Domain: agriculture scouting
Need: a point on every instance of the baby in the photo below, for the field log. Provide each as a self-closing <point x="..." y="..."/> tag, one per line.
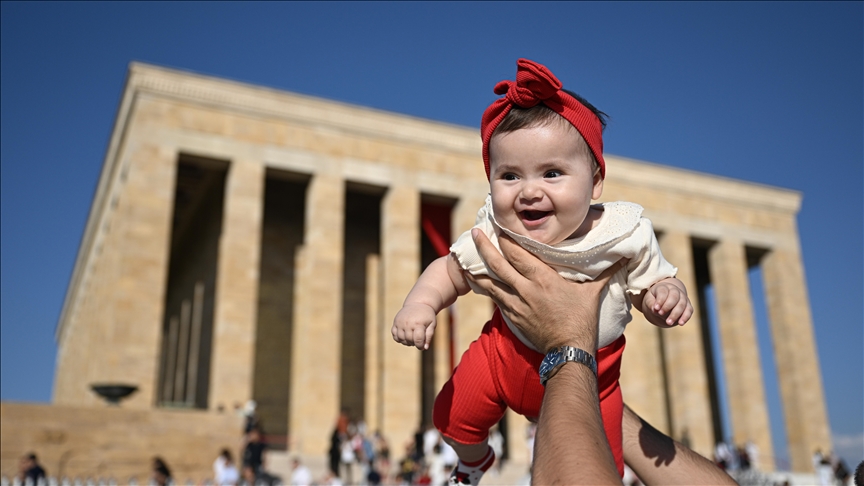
<point x="543" y="152"/>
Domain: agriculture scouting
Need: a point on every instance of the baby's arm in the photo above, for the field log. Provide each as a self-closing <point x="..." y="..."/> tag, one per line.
<point x="437" y="288"/>
<point x="665" y="304"/>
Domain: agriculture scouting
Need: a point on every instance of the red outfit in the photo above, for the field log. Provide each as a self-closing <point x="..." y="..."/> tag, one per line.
<point x="499" y="371"/>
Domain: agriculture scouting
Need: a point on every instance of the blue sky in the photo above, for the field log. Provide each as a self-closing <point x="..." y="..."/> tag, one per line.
<point x="765" y="92"/>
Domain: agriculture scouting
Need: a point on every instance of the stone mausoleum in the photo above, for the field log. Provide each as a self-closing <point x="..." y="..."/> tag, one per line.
<point x="249" y="243"/>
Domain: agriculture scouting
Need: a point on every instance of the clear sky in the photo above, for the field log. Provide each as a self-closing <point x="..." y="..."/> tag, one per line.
<point x="764" y="92"/>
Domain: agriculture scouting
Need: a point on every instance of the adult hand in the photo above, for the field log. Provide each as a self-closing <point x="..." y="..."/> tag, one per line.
<point x="549" y="310"/>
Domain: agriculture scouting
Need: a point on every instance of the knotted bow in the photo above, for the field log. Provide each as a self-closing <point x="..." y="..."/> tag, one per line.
<point x="536" y="84"/>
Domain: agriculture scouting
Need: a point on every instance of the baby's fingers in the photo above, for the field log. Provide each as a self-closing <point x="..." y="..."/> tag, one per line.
<point x="403" y="333"/>
<point x="430" y="331"/>
<point x="397" y="334"/>
<point x="647" y="301"/>
<point x="687" y="314"/>
<point x="674" y="305"/>
<point x="418" y="333"/>
<point x="677" y="311"/>
<point x="660" y="295"/>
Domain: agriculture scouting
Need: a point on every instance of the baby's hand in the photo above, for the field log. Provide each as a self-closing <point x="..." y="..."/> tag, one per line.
<point x="667" y="299"/>
<point x="414" y="325"/>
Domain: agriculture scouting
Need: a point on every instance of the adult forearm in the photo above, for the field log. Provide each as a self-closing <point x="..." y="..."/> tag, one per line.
<point x="571" y="445"/>
<point x="657" y="459"/>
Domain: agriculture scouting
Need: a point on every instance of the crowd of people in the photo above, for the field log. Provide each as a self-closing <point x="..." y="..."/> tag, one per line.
<point x="360" y="458"/>
<point x="357" y="456"/>
<point x="729" y="457"/>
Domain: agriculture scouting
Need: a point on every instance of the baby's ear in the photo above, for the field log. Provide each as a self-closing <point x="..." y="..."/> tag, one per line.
<point x="598" y="185"/>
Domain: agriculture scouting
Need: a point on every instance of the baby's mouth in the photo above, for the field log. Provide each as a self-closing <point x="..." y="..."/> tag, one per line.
<point x="533" y="215"/>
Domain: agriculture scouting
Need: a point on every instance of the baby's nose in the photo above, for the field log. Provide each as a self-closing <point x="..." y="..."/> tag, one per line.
<point x="531" y="190"/>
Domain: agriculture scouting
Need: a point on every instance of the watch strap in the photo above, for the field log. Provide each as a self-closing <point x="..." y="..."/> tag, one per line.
<point x="568" y="354"/>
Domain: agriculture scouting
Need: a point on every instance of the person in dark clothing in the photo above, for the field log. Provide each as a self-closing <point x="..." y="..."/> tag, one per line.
<point x="374" y="477"/>
<point x="335" y="452"/>
<point x="253" y="454"/>
<point x="161" y="473"/>
<point x="30" y="468"/>
<point x="841" y="472"/>
<point x="418" y="452"/>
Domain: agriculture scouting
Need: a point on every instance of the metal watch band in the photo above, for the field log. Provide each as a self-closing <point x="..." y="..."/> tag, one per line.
<point x="580" y="356"/>
<point x="556" y="357"/>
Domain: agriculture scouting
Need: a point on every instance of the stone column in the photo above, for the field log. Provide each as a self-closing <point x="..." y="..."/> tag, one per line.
<point x="471" y="311"/>
<point x="375" y="340"/>
<point x="686" y="372"/>
<point x="642" y="382"/>
<point x="442" y="350"/>
<point x="237" y="285"/>
<point x="797" y="359"/>
<point x="400" y="255"/>
<point x="316" y="354"/>
<point x="744" y="385"/>
<point x="130" y="320"/>
<point x="517" y="428"/>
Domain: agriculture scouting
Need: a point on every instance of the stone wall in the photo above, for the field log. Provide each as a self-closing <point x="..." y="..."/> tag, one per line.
<point x="115" y="442"/>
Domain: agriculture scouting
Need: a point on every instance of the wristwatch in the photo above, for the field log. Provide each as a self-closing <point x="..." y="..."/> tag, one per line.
<point x="558" y="356"/>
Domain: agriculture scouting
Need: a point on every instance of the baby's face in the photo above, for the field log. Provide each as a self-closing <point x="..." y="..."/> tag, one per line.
<point x="542" y="182"/>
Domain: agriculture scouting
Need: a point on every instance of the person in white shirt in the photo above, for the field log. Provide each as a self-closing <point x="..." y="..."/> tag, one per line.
<point x="300" y="474"/>
<point x="224" y="470"/>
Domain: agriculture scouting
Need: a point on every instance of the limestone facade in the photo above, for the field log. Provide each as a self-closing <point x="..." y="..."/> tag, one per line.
<point x="316" y="240"/>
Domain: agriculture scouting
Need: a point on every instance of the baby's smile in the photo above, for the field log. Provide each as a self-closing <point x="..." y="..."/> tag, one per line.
<point x="533" y="217"/>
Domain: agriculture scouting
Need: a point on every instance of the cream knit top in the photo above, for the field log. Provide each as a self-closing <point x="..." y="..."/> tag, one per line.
<point x="621" y="232"/>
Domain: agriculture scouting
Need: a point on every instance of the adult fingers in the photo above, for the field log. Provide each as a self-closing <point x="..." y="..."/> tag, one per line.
<point x="494" y="260"/>
<point x="501" y="293"/>
<point x="521" y="259"/>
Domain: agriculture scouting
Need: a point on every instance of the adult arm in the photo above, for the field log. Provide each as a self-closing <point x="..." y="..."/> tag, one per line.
<point x="571" y="445"/>
<point x="657" y="459"/>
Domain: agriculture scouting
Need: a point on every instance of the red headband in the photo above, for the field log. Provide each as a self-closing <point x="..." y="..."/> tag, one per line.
<point x="536" y="84"/>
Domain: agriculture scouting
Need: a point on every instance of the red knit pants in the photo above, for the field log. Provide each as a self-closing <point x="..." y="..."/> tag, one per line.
<point x="499" y="371"/>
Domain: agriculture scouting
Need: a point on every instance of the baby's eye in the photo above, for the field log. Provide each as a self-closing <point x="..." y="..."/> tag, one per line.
<point x="509" y="177"/>
<point x="553" y="173"/>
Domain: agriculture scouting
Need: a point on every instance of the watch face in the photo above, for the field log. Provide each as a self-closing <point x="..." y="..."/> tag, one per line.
<point x="549" y="362"/>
